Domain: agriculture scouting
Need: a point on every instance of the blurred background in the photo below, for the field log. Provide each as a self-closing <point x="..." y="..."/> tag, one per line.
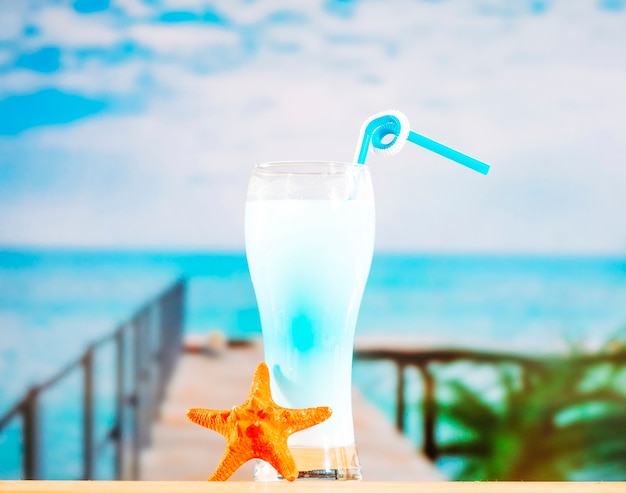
<point x="128" y="129"/>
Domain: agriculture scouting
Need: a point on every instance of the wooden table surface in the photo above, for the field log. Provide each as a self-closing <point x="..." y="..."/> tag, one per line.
<point x="307" y="486"/>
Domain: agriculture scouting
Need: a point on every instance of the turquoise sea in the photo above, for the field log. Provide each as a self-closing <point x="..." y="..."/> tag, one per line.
<point x="53" y="303"/>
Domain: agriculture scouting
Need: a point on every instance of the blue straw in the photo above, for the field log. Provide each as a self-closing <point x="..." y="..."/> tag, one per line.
<point x="374" y="133"/>
<point x="395" y="123"/>
<point x="448" y="152"/>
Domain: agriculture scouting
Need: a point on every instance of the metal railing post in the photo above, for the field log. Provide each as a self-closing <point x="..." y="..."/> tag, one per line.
<point x="88" y="407"/>
<point x="162" y="352"/>
<point x="146" y="414"/>
<point x="400" y="403"/>
<point x="154" y="366"/>
<point x="429" y="410"/>
<point x="30" y="455"/>
<point x="119" y="403"/>
<point x="136" y="398"/>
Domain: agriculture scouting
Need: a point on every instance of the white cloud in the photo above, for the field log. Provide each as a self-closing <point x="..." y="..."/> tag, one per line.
<point x="65" y="27"/>
<point x="182" y="40"/>
<point x="192" y="5"/>
<point x="133" y="8"/>
<point x="22" y="81"/>
<point x="539" y="97"/>
<point x="147" y="211"/>
<point x="99" y="78"/>
<point x="245" y="12"/>
<point x="5" y="56"/>
<point x="11" y="22"/>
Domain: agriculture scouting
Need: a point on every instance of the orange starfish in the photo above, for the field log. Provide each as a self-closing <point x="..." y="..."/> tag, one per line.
<point x="258" y="429"/>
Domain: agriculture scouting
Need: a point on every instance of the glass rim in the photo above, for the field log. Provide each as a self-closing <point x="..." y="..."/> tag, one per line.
<point x="304" y="166"/>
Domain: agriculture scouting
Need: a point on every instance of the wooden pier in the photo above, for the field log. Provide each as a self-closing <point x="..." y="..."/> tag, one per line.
<point x="180" y="450"/>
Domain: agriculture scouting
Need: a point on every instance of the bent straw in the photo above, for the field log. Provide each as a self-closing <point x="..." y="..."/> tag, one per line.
<point x="448" y="152"/>
<point x="395" y="123"/>
<point x="376" y="128"/>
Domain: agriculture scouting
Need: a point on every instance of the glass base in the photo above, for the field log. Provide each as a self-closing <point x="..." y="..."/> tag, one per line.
<point x="334" y="463"/>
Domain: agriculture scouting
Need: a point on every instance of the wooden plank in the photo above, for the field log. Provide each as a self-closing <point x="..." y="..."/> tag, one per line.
<point x="305" y="486"/>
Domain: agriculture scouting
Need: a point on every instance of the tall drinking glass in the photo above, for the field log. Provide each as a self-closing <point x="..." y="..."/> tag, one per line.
<point x="309" y="240"/>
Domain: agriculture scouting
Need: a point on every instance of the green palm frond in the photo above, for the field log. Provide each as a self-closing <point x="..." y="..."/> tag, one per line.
<point x="467" y="407"/>
<point x="590" y="433"/>
<point x="562" y="417"/>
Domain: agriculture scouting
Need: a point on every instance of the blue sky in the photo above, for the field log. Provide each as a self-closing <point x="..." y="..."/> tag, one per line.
<point x="134" y="124"/>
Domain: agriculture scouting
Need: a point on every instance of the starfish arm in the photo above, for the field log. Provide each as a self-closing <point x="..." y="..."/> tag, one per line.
<point x="305" y="418"/>
<point x="211" y="419"/>
<point x="236" y="454"/>
<point x="279" y="456"/>
<point x="260" y="390"/>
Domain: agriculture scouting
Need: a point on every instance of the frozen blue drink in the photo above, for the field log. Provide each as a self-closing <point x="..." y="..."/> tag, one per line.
<point x="309" y="243"/>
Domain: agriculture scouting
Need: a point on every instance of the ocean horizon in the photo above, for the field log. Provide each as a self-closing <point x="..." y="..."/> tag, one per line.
<point x="53" y="303"/>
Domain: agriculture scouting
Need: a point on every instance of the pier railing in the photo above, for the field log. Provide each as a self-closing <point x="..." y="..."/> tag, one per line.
<point x="146" y="349"/>
<point x="424" y="360"/>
